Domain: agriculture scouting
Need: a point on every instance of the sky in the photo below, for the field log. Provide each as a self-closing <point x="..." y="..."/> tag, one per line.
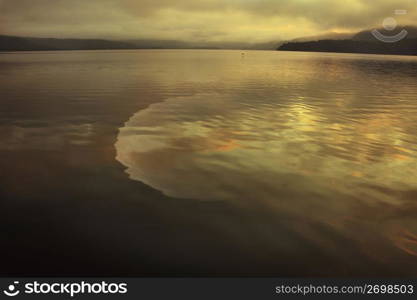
<point x="197" y="20"/>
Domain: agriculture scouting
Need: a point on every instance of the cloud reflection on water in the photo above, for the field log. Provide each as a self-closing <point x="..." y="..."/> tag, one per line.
<point x="353" y="175"/>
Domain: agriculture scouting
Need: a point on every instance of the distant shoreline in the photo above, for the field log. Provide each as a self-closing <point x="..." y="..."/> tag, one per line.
<point x="202" y="49"/>
<point x="127" y="49"/>
<point x="362" y="43"/>
<point x="15" y="43"/>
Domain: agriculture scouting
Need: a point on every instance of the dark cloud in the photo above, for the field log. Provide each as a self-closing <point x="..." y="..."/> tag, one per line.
<point x="195" y="19"/>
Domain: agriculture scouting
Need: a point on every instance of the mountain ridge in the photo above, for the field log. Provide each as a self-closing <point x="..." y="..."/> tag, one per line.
<point x="362" y="42"/>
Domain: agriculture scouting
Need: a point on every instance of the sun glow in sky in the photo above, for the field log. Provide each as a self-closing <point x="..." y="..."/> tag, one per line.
<point x="196" y="20"/>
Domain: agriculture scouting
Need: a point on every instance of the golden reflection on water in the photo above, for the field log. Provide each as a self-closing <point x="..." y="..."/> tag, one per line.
<point x="312" y="147"/>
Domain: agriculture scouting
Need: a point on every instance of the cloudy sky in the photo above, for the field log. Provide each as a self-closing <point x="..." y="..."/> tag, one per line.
<point x="196" y="20"/>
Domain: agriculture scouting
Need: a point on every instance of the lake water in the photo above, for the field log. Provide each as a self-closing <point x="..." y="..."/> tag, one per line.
<point x="183" y="162"/>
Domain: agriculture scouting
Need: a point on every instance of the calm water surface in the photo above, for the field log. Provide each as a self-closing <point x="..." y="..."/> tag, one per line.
<point x="208" y="163"/>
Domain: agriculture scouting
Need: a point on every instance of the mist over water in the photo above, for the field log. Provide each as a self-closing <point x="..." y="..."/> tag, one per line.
<point x="293" y="163"/>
